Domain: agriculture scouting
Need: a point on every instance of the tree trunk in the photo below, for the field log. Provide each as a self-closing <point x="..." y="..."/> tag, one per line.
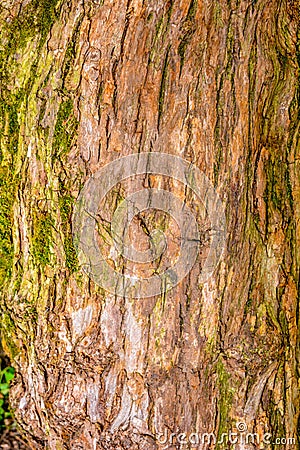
<point x="84" y="83"/>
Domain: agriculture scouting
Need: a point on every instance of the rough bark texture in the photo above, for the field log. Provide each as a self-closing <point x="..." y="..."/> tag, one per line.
<point x="83" y="83"/>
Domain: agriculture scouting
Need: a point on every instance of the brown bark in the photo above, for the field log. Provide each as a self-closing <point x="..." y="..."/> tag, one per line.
<point x="217" y="83"/>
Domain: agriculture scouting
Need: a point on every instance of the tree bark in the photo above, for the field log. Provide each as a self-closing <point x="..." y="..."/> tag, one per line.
<point x="217" y="83"/>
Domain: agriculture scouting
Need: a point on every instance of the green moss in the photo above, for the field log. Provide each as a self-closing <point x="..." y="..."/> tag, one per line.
<point x="163" y="86"/>
<point x="70" y="54"/>
<point x="21" y="43"/>
<point x="7" y="198"/>
<point x="271" y="132"/>
<point x="150" y="17"/>
<point x="8" y="333"/>
<point x="278" y="192"/>
<point x="284" y="328"/>
<point x="65" y="129"/>
<point x="46" y="15"/>
<point x="298" y="51"/>
<point x="157" y="37"/>
<point x="218" y="158"/>
<point x="36" y="18"/>
<point x="278" y="428"/>
<point x="189" y="28"/>
<point x="192" y="10"/>
<point x="160" y="34"/>
<point x="9" y="135"/>
<point x="225" y="400"/>
<point x="32" y="22"/>
<point x="229" y="47"/>
<point x="66" y="202"/>
<point x="217" y="15"/>
<point x="42" y="237"/>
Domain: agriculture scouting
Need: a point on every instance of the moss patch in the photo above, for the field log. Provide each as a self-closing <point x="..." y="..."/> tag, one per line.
<point x="7" y="197"/>
<point x="8" y="333"/>
<point x="65" y="128"/>
<point x="66" y="202"/>
<point x="224" y="401"/>
<point x="42" y="237"/>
